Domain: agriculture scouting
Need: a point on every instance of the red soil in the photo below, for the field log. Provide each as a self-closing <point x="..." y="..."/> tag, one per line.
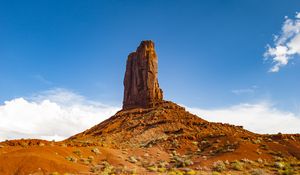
<point x="139" y="138"/>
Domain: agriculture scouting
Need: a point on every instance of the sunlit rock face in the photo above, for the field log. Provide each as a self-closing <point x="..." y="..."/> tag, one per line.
<point x="141" y="88"/>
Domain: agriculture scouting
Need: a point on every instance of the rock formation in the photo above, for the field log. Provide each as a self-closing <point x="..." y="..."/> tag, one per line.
<point x="141" y="88"/>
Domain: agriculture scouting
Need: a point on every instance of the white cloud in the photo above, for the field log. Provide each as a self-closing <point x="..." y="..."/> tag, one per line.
<point x="250" y="90"/>
<point x="286" y="45"/>
<point x="260" y="118"/>
<point x="298" y="15"/>
<point x="55" y="114"/>
<point x="59" y="113"/>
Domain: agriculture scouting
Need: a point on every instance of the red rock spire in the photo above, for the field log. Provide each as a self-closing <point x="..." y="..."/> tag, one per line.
<point x="141" y="88"/>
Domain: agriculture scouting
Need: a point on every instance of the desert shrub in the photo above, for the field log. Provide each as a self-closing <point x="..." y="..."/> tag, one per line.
<point x="219" y="166"/>
<point x="236" y="165"/>
<point x="91" y="158"/>
<point x="175" y="172"/>
<point x="195" y="143"/>
<point x="162" y="170"/>
<point x="77" y="152"/>
<point x="257" y="172"/>
<point x="260" y="161"/>
<point x="191" y="172"/>
<point x="163" y="164"/>
<point x="188" y="162"/>
<point x="180" y="161"/>
<point x="71" y="159"/>
<point x="108" y="169"/>
<point x="94" y="169"/>
<point x="95" y="150"/>
<point x="54" y="173"/>
<point x="152" y="168"/>
<point x="215" y="173"/>
<point x="286" y="170"/>
<point x="279" y="165"/>
<point x="132" y="159"/>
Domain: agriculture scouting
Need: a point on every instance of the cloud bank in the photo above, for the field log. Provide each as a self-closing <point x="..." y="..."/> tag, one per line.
<point x="58" y="114"/>
<point x="261" y="118"/>
<point x="55" y="114"/>
<point x="286" y="45"/>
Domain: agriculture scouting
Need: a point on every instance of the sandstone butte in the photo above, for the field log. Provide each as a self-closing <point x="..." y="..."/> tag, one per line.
<point x="141" y="88"/>
<point x="154" y="136"/>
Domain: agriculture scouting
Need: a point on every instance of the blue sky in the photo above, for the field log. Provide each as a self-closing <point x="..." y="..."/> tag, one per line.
<point x="206" y="49"/>
<point x="211" y="53"/>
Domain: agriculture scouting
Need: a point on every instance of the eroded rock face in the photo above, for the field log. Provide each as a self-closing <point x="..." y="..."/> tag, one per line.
<point x="141" y="88"/>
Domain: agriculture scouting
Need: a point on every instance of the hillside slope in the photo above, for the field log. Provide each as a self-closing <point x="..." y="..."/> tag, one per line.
<point x="163" y="139"/>
<point x="174" y="131"/>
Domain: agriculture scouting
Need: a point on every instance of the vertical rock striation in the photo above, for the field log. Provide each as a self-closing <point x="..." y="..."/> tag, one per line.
<point x="141" y="88"/>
